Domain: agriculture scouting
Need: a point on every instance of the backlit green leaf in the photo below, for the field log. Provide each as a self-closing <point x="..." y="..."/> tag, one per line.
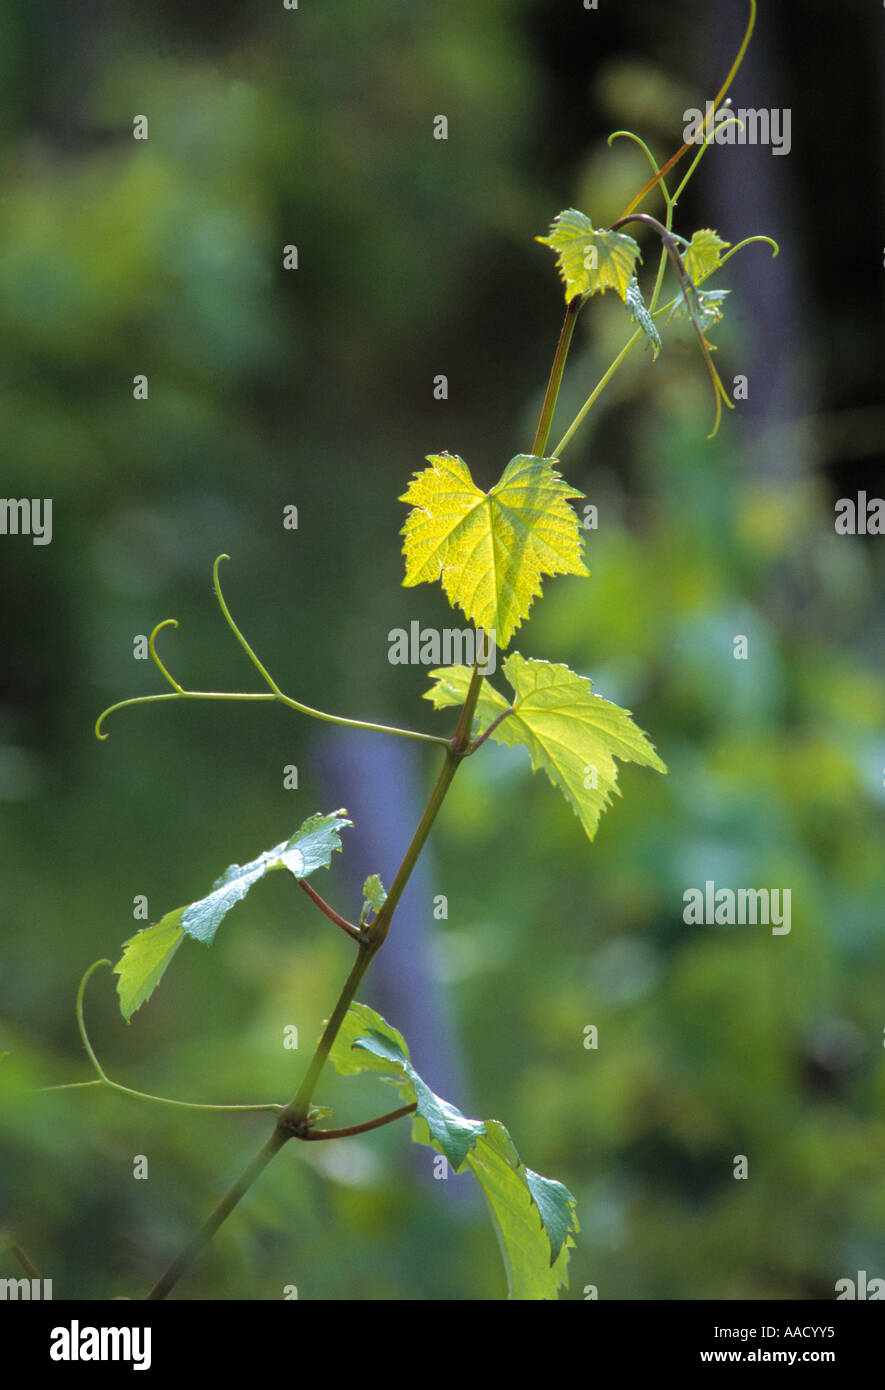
<point x="570" y="732"/>
<point x="703" y="254"/>
<point x="144" y="961"/>
<point x="374" y="896"/>
<point x="590" y="261"/>
<point x="489" y="550"/>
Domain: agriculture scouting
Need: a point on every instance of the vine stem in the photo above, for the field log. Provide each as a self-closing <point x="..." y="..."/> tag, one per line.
<point x="269" y="1150"/>
<point x="295" y="1113"/>
<point x="294" y="1119"/>
<point x="597" y="391"/>
<point x="548" y="409"/>
<point x="182" y="1262"/>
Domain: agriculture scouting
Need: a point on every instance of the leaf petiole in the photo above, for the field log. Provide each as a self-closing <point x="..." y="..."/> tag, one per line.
<point x="478" y="742"/>
<point x="363" y="1128"/>
<point x="328" y="911"/>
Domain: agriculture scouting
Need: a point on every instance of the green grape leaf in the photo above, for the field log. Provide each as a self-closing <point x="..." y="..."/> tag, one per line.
<point x="144" y="961"/>
<point x="449" y="1131"/>
<point x="309" y="848"/>
<point x="639" y="314"/>
<point x="554" y="1202"/>
<point x="707" y="306"/>
<point x="374" y="896"/>
<point x="534" y="1217"/>
<point x="590" y="261"/>
<point x="489" y="550"/>
<point x="360" y="1022"/>
<point x="571" y="733"/>
<point x="147" y="954"/>
<point x="450" y="688"/>
<point x="703" y="254"/>
<point x="527" y="1244"/>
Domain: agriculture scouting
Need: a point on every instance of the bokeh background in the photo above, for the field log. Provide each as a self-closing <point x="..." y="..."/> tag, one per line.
<point x="313" y="387"/>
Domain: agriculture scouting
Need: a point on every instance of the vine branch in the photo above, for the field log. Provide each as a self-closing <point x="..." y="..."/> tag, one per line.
<point x="551" y="395"/>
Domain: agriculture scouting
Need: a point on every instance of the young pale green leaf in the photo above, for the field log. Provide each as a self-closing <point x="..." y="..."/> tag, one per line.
<point x="707" y="306"/>
<point x="309" y="848"/>
<point x="450" y="687"/>
<point x="703" y="254"/>
<point x="590" y="261"/>
<point x="144" y="961"/>
<point x="534" y="1217"/>
<point x="571" y="733"/>
<point x="639" y="314"/>
<point x="489" y="550"/>
<point x="374" y="896"/>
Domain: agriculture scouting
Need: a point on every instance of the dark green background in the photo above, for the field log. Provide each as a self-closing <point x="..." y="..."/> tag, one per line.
<point x="314" y="388"/>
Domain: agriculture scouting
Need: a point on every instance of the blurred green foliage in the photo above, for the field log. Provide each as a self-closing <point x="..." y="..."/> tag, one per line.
<point x="267" y="387"/>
